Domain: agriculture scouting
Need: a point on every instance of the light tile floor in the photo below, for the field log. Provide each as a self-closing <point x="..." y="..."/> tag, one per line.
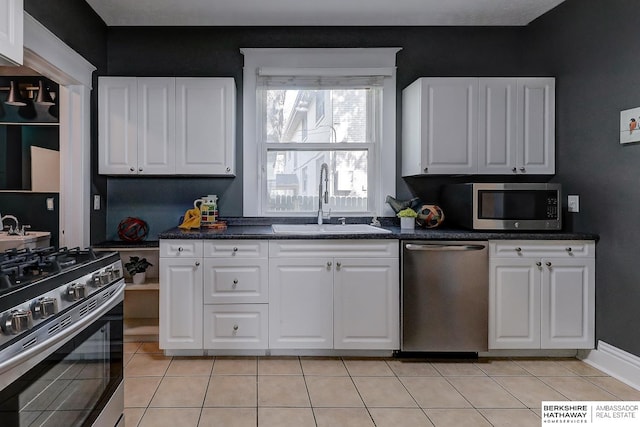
<point x="334" y="392"/>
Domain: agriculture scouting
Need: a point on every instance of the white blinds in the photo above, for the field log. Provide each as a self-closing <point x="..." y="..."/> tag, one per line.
<point x="319" y="78"/>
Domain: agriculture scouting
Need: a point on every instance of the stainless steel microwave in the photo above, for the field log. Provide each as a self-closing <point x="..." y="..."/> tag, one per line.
<point x="504" y="206"/>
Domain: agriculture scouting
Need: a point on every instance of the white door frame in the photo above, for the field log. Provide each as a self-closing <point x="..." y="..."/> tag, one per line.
<point x="51" y="57"/>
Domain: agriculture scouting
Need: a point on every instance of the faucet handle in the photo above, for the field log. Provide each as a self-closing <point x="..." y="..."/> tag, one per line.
<point x="342" y="220"/>
<point x="375" y="222"/>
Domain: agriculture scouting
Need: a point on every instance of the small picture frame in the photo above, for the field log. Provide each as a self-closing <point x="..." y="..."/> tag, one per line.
<point x="630" y="125"/>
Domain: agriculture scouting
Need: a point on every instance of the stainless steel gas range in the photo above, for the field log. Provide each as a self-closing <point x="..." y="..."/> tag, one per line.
<point x="61" y="343"/>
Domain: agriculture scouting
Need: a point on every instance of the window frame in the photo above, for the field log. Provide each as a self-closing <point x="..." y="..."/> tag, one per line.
<point x="381" y="174"/>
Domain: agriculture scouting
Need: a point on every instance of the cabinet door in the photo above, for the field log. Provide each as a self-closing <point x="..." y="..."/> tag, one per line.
<point x="117" y="128"/>
<point x="11" y="32"/>
<point x="156" y="125"/>
<point x="514" y="303"/>
<point x="180" y="303"/>
<point x="366" y="304"/>
<point x="205" y="126"/>
<point x="568" y="303"/>
<point x="536" y="126"/>
<point x="497" y="111"/>
<point x="301" y="303"/>
<point x="449" y="125"/>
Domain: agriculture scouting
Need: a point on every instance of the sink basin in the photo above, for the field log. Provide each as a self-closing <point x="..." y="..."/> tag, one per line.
<point x="327" y="229"/>
<point x="31" y="240"/>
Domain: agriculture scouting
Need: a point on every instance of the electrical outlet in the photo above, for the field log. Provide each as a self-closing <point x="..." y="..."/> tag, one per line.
<point x="96" y="202"/>
<point x="49" y="203"/>
<point x="573" y="202"/>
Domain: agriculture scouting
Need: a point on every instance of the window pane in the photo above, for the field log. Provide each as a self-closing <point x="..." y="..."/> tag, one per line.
<point x="330" y="115"/>
<point x="293" y="180"/>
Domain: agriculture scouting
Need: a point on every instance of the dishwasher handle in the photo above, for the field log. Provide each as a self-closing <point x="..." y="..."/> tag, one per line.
<point x="443" y="247"/>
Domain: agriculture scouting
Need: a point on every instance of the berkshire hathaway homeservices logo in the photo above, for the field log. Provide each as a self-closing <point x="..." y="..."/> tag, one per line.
<point x="591" y="413"/>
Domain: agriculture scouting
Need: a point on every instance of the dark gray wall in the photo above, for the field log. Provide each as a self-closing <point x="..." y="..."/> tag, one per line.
<point x="590" y="45"/>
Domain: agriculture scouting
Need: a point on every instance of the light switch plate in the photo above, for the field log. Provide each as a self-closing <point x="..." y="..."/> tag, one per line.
<point x="49" y="203"/>
<point x="573" y="202"/>
<point x="96" y="202"/>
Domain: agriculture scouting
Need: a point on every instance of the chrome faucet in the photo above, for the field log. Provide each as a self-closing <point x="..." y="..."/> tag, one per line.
<point x="11" y="231"/>
<point x="323" y="168"/>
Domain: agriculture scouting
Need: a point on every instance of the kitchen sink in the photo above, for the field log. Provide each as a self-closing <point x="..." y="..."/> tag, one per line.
<point x="30" y="240"/>
<point x="327" y="229"/>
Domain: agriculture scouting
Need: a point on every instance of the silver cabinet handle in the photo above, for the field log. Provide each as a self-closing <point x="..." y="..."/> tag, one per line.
<point x="539" y="264"/>
<point x="548" y="263"/>
<point x="518" y="249"/>
<point x="426" y="170"/>
<point x="338" y="265"/>
<point x="522" y="169"/>
<point x="514" y="170"/>
<point x="235" y="283"/>
<point x="197" y="263"/>
<point x="568" y="249"/>
<point x="438" y="247"/>
<point x="140" y="169"/>
<point x="329" y="264"/>
<point x="132" y="169"/>
<point x="228" y="169"/>
<point x="235" y="327"/>
<point x="180" y="249"/>
<point x="235" y="251"/>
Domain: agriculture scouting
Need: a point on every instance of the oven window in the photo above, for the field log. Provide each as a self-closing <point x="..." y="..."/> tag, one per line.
<point x="71" y="386"/>
<point x="514" y="204"/>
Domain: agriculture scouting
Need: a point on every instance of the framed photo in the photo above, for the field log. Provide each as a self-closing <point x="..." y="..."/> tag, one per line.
<point x="630" y="125"/>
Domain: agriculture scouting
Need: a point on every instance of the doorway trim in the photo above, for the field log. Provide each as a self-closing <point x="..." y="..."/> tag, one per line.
<point x="45" y="53"/>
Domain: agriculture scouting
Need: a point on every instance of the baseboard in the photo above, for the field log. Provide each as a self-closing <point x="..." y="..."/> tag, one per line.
<point x="615" y="362"/>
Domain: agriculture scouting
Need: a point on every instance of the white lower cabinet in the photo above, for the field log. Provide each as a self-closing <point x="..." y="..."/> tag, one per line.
<point x="301" y="303"/>
<point x="180" y="303"/>
<point x="542" y="294"/>
<point x="366" y="303"/>
<point x="334" y="295"/>
<point x="279" y="294"/>
<point x="235" y="326"/>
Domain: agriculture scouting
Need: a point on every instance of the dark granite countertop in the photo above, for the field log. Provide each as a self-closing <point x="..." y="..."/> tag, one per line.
<point x="261" y="229"/>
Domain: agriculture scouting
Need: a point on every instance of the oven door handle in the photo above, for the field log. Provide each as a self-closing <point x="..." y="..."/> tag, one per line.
<point x="60" y="338"/>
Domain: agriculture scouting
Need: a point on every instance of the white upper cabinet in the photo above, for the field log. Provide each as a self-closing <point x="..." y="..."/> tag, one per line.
<point x="11" y="32"/>
<point x="166" y="126"/>
<point x="439" y="126"/>
<point x="479" y="126"/>
<point x="117" y="126"/>
<point x="205" y="125"/>
<point x="156" y="126"/>
<point x="536" y="126"/>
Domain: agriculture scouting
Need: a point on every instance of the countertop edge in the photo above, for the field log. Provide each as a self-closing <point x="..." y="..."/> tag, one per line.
<point x="266" y="233"/>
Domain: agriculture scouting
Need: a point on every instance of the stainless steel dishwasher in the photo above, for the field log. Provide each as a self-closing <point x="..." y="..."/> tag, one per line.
<point x="445" y="292"/>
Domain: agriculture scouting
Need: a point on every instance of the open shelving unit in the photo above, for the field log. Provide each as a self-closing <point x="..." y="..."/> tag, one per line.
<point x="141" y="303"/>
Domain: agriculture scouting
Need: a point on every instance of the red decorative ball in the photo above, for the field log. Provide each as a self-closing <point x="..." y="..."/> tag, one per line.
<point x="133" y="229"/>
<point x="430" y="216"/>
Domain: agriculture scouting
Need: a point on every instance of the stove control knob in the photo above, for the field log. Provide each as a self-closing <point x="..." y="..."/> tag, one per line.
<point x="76" y="291"/>
<point x="17" y="321"/>
<point x="44" y="307"/>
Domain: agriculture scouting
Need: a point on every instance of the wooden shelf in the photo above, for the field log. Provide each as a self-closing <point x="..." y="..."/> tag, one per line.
<point x="149" y="286"/>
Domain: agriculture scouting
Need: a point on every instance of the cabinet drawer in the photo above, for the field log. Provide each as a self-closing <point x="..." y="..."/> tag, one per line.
<point x="235" y="326"/>
<point x="333" y="248"/>
<point x="236" y="281"/>
<point x="180" y="248"/>
<point x="543" y="248"/>
<point x="236" y="248"/>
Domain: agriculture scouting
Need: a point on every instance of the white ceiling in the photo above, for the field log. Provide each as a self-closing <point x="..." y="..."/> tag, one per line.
<point x="319" y="12"/>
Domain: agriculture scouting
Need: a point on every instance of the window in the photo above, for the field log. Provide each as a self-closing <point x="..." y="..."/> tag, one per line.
<point x="351" y="130"/>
